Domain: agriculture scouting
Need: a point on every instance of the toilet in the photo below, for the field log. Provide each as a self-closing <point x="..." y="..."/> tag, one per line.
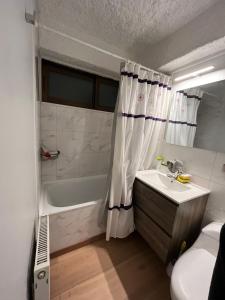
<point x="192" y="273"/>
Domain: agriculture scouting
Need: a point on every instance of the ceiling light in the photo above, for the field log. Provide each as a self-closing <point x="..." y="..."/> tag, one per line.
<point x="194" y="74"/>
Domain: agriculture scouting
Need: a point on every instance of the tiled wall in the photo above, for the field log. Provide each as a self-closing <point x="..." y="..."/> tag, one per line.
<point x="207" y="170"/>
<point x="75" y="226"/>
<point x="83" y="137"/>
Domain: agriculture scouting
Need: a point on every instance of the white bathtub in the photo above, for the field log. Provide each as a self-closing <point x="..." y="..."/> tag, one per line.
<point x="75" y="209"/>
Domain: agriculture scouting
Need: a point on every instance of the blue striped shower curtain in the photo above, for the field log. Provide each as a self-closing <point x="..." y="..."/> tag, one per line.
<point x="141" y="115"/>
<point x="182" y="123"/>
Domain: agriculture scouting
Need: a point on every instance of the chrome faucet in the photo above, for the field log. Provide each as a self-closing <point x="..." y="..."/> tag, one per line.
<point x="172" y="176"/>
<point x="176" y="168"/>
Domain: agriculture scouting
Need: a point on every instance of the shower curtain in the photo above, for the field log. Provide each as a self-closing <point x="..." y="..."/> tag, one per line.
<point x="182" y="123"/>
<point x="140" y="119"/>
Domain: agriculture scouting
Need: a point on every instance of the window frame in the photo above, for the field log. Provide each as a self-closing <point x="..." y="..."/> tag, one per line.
<point x="99" y="80"/>
<point x="49" y="66"/>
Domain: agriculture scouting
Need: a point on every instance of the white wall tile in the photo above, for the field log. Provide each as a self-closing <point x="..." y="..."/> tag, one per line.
<point x="75" y="226"/>
<point x="105" y="157"/>
<point x="206" y="167"/>
<point x="48" y="177"/>
<point x="94" y="163"/>
<point x="215" y="210"/>
<point x="68" y="166"/>
<point x="199" y="162"/>
<point x="83" y="137"/>
<point x="48" y="168"/>
<point x="65" y="118"/>
<point x="48" y="139"/>
<point x="218" y="173"/>
<point x="71" y="118"/>
<point x="196" y="161"/>
<point x="48" y="116"/>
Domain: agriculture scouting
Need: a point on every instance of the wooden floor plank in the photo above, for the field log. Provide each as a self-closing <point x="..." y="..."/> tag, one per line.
<point x="119" y="269"/>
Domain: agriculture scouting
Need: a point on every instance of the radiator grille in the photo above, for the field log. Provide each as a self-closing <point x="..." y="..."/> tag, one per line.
<point x="42" y="261"/>
<point x="42" y="251"/>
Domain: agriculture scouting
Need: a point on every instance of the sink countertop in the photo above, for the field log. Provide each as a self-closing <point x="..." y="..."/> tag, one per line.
<point x="175" y="191"/>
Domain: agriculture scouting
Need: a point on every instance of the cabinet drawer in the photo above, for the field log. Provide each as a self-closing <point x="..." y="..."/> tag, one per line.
<point x="157" y="239"/>
<point x="159" y="208"/>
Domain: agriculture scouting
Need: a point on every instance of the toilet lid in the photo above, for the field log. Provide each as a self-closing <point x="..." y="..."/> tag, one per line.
<point x="192" y="275"/>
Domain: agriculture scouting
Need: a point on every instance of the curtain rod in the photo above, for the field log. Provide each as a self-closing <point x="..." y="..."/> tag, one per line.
<point x="142" y="67"/>
<point x="97" y="48"/>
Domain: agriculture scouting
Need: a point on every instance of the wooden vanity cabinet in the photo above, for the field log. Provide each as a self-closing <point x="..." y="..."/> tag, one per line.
<point x="165" y="224"/>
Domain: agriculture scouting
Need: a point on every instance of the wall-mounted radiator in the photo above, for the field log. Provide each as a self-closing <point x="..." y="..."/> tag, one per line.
<point x="42" y="262"/>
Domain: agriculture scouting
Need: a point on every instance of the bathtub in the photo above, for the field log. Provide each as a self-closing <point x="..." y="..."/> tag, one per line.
<point x="75" y="209"/>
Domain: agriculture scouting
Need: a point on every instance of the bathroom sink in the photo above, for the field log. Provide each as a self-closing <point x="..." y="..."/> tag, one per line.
<point x="176" y="191"/>
<point x="166" y="182"/>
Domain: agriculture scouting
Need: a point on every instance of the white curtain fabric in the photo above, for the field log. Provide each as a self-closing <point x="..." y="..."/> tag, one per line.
<point x="182" y="123"/>
<point x="141" y="115"/>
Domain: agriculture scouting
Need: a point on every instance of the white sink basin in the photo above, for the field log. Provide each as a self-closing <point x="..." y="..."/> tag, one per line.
<point x="167" y="183"/>
<point x="176" y="191"/>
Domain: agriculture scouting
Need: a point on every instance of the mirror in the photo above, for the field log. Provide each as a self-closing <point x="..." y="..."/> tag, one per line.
<point x="197" y="117"/>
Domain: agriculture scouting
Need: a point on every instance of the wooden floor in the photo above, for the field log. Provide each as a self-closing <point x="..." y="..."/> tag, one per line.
<point x="119" y="269"/>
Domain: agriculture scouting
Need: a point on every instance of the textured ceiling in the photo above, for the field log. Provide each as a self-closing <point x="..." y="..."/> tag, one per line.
<point x="127" y="25"/>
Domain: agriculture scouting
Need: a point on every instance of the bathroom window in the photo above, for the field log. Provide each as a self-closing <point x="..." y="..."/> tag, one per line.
<point x="106" y="93"/>
<point x="68" y="86"/>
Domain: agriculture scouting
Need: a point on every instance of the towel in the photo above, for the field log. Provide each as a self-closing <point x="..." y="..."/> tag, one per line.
<point x="217" y="288"/>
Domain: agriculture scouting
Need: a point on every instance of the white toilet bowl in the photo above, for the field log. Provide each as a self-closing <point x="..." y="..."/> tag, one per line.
<point x="192" y="273"/>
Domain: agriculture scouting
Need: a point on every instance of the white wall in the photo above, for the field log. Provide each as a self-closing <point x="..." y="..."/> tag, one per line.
<point x="18" y="161"/>
<point x="206" y="167"/>
<point x="211" y="120"/>
<point x="70" y="50"/>
<point x="83" y="137"/>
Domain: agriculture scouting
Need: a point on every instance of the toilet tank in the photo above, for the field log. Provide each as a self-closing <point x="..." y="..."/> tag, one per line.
<point x="209" y="238"/>
<point x="213" y="230"/>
